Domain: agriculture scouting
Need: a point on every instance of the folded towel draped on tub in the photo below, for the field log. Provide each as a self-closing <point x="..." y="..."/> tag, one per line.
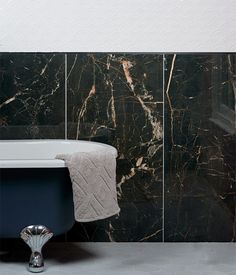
<point x="93" y="177"/>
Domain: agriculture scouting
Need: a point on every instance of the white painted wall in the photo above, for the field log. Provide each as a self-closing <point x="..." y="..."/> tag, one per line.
<point x="118" y="25"/>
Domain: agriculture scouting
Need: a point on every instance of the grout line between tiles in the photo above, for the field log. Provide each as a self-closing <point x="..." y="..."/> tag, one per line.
<point x="163" y="148"/>
<point x="65" y="107"/>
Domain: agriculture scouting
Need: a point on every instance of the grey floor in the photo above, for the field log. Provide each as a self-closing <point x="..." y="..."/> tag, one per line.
<point x="127" y="258"/>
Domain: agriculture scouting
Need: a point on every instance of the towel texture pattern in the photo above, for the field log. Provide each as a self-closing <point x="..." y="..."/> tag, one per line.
<point x="93" y="176"/>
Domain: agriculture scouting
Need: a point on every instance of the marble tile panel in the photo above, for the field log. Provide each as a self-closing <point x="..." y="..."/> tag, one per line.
<point x="32" y="95"/>
<point x="200" y="147"/>
<point x="118" y="99"/>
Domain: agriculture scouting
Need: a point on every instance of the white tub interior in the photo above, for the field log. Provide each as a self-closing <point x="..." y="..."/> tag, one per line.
<point x="42" y="153"/>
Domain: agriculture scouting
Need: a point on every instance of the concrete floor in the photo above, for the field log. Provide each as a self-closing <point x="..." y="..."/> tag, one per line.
<point x="127" y="258"/>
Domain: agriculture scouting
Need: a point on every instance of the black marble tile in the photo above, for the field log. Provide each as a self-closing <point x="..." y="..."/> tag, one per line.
<point x="31" y="95"/>
<point x="137" y="222"/>
<point x="200" y="147"/>
<point x="118" y="99"/>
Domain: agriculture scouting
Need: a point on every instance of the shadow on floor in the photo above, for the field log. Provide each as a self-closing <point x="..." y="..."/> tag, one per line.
<point x="16" y="251"/>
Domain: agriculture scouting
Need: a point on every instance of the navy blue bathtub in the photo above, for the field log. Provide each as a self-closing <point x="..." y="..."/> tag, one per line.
<point x="35" y="188"/>
<point x="35" y="196"/>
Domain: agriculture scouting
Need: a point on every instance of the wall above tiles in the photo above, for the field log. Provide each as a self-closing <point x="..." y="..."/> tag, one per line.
<point x="118" y="26"/>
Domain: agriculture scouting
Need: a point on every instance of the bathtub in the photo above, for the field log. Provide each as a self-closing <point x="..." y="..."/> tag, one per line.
<point x="35" y="188"/>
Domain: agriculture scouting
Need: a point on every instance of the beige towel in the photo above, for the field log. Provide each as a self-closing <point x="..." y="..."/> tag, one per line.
<point x="93" y="176"/>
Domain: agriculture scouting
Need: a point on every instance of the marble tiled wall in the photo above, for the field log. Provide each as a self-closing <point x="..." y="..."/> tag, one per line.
<point x="119" y="99"/>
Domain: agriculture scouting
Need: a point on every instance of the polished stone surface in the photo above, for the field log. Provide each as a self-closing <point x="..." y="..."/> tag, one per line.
<point x="128" y="259"/>
<point x="118" y="99"/>
<point x="112" y="98"/>
<point x="31" y="95"/>
<point x="200" y="147"/>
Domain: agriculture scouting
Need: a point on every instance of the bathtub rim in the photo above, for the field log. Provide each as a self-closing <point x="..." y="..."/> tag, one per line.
<point x="45" y="163"/>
